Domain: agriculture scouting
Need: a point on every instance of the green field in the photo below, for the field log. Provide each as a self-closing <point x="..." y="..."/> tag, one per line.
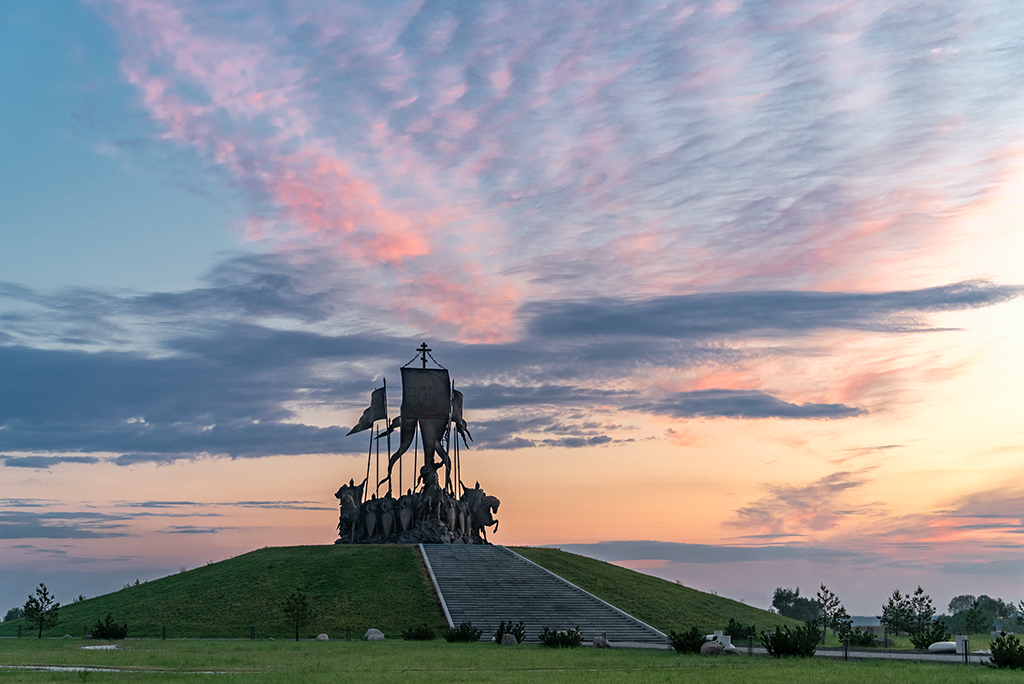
<point x="285" y="661"/>
<point x="357" y="587"/>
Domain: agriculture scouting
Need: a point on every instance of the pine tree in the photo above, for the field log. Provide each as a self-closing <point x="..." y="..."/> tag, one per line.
<point x="41" y="609"/>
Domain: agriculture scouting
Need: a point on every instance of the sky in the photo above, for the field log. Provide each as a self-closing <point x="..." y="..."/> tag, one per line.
<point x="733" y="290"/>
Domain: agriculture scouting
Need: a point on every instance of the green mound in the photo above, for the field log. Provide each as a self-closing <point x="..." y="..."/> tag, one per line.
<point x="349" y="587"/>
<point x="661" y="604"/>
<point x="361" y="586"/>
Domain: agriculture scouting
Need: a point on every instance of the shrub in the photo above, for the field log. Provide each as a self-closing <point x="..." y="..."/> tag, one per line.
<point x="463" y="633"/>
<point x="108" y="629"/>
<point x="422" y="633"/>
<point x="859" y="639"/>
<point x="738" y="630"/>
<point x="1007" y="653"/>
<point x="517" y="630"/>
<point x="801" y="641"/>
<point x="689" y="641"/>
<point x="569" y="638"/>
<point x="936" y="631"/>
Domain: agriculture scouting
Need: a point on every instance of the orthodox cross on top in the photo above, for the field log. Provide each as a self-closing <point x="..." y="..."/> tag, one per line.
<point x="423" y="351"/>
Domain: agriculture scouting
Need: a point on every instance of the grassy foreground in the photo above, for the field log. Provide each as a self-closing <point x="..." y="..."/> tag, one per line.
<point x="664" y="605"/>
<point x="349" y="587"/>
<point x="369" y="662"/>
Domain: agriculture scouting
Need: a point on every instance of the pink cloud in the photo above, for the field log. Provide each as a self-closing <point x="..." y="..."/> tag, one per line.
<point x="310" y="193"/>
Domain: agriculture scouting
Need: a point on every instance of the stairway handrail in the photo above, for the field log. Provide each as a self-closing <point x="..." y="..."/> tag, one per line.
<point x="437" y="587"/>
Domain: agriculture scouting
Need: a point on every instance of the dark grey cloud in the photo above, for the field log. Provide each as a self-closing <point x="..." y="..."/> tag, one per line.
<point x="713" y="403"/>
<point x="60" y="525"/>
<point x="722" y="314"/>
<point x="44" y="461"/>
<point x="619" y="551"/>
<point x="217" y="382"/>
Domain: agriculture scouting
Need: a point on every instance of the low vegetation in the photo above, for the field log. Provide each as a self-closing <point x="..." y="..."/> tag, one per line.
<point x="1007" y="653"/>
<point x="464" y="633"/>
<point x="108" y="629"/>
<point x="687" y="641"/>
<point x="518" y="630"/>
<point x="784" y="642"/>
<point x="422" y="632"/>
<point x="561" y="638"/>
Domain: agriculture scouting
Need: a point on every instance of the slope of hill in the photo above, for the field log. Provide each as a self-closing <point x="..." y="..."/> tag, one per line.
<point x="361" y="586"/>
<point x="660" y="603"/>
<point x="355" y="587"/>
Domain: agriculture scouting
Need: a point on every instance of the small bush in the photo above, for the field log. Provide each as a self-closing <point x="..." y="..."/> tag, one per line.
<point x="463" y="633"/>
<point x="1007" y="653"/>
<point x="517" y="630"/>
<point x="801" y="641"/>
<point x="689" y="641"/>
<point x="936" y="631"/>
<point x="108" y="629"/>
<point x="859" y="639"/>
<point x="738" y="630"/>
<point x="569" y="638"/>
<point x="422" y="633"/>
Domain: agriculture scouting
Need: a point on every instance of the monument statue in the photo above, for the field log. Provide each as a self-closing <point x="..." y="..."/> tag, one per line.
<point x="428" y="512"/>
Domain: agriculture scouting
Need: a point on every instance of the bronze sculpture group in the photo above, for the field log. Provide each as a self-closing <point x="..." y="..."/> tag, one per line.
<point x="429" y="512"/>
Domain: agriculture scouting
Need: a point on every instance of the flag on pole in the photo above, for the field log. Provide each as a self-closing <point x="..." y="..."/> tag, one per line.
<point x="376" y="411"/>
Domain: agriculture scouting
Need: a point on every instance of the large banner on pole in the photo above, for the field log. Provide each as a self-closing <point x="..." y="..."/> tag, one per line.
<point x="426" y="393"/>
<point x="426" y="401"/>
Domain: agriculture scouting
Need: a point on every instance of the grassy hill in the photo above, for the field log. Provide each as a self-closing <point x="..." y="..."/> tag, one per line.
<point x="661" y="604"/>
<point x="355" y="587"/>
<point x="359" y="587"/>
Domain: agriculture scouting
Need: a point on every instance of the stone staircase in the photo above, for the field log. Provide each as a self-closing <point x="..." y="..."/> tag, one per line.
<point x="488" y="584"/>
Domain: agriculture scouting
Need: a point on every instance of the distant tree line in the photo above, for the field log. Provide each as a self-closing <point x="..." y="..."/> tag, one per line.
<point x="911" y="613"/>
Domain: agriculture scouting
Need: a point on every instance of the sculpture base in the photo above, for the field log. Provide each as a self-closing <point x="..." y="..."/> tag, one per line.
<point x="429" y="516"/>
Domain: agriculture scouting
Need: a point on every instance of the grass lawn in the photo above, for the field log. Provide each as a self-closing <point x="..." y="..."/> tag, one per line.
<point x="397" y="661"/>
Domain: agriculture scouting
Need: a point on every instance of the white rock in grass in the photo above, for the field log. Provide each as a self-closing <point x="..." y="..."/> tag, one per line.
<point x="373" y="635"/>
<point x="943" y="647"/>
<point x="322" y="637"/>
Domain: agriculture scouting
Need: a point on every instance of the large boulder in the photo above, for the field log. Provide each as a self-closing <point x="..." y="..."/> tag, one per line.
<point x="373" y="635"/>
<point x="712" y="648"/>
<point x="602" y="642"/>
<point x="322" y="637"/>
<point x="943" y="647"/>
<point x="509" y="639"/>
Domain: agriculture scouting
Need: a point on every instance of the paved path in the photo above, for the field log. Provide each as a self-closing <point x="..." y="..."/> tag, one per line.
<point x="489" y="584"/>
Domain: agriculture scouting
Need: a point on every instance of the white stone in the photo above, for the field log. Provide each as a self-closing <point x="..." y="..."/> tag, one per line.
<point x="943" y="647"/>
<point x="322" y="637"/>
<point x="373" y="635"/>
<point x="509" y="639"/>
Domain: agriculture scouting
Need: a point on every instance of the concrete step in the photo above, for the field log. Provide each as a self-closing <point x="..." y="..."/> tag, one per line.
<point x="487" y="584"/>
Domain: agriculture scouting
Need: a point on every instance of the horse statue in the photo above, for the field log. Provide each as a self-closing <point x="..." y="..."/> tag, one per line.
<point x="481" y="508"/>
<point x="350" y="497"/>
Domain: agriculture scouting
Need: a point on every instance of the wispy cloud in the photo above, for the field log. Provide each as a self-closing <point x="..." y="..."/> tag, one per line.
<point x="812" y="507"/>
